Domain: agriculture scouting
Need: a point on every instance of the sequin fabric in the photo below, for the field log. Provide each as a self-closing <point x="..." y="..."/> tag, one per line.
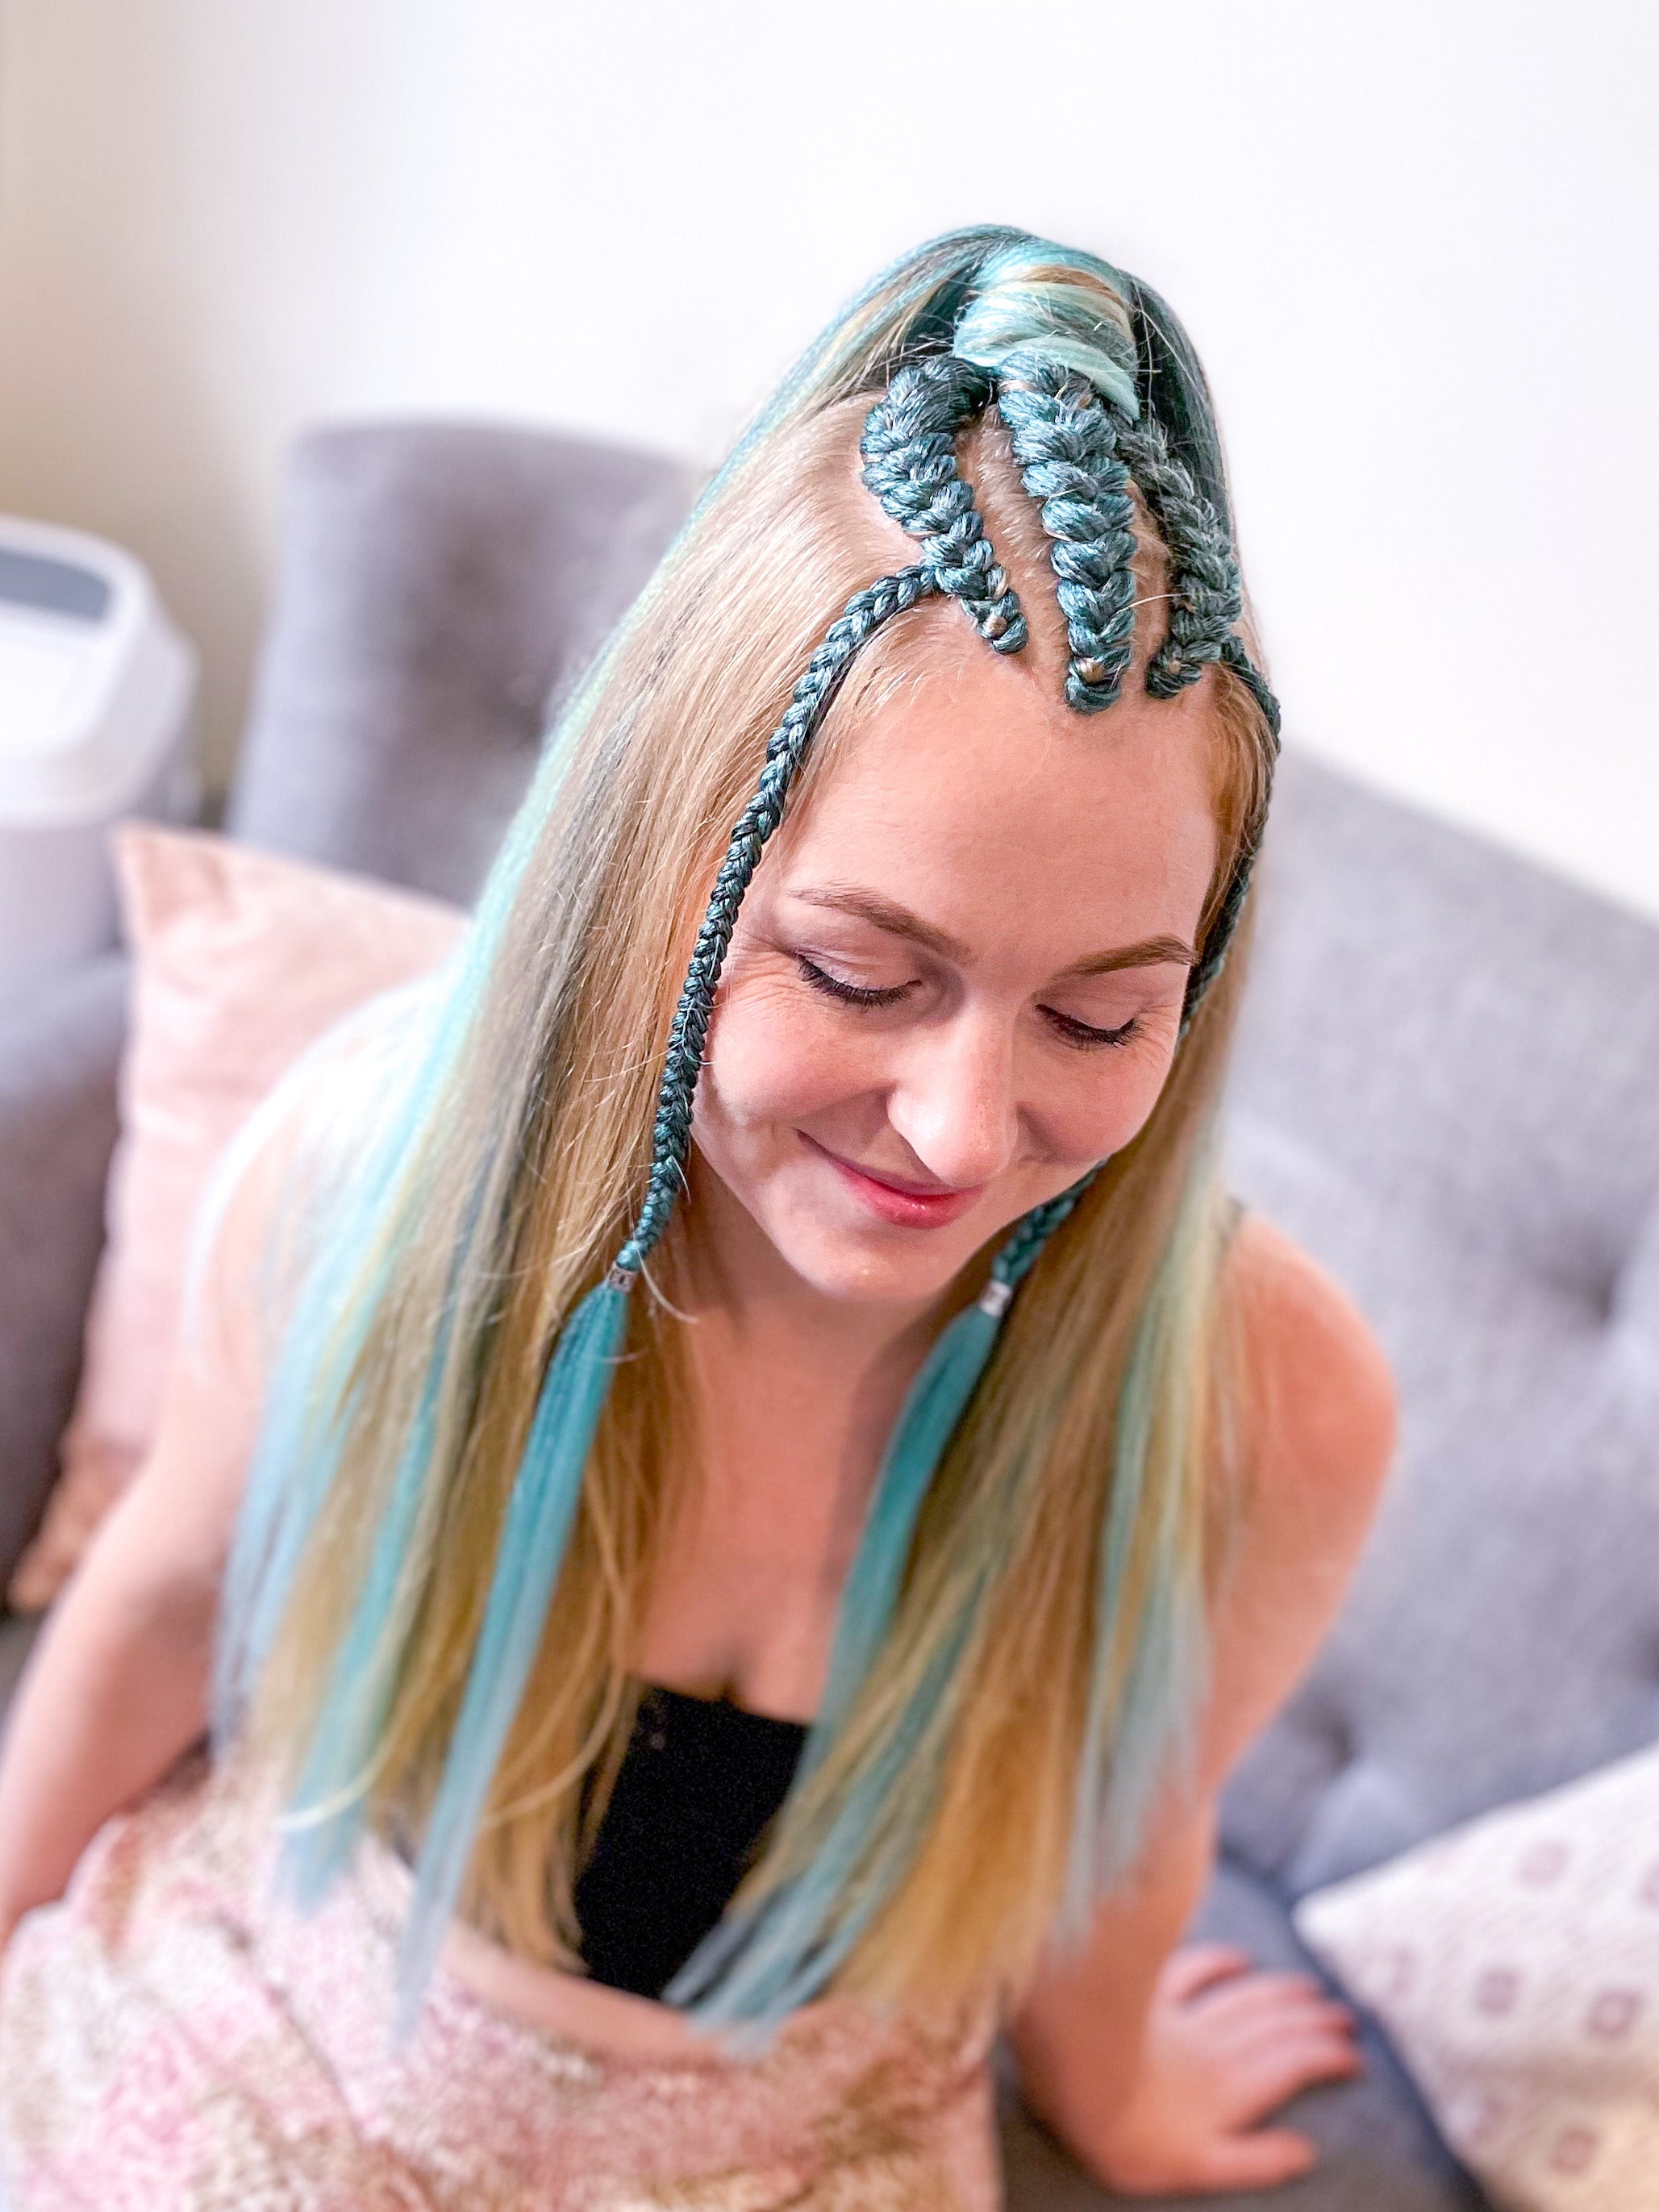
<point x="172" y="2037"/>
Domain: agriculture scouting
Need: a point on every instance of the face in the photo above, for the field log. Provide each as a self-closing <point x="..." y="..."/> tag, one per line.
<point x="956" y="980"/>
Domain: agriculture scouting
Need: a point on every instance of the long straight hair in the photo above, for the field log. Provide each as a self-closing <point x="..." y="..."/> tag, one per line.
<point x="1054" y="1599"/>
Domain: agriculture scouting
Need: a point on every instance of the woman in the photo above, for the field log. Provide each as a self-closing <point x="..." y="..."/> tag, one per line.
<point x="774" y="1501"/>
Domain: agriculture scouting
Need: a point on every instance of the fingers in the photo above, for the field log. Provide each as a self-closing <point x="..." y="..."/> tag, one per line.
<point x="1262" y="2038"/>
<point x="1195" y="1967"/>
<point x="1209" y="2002"/>
<point x="1222" y="2041"/>
<point x="1260" y="2080"/>
<point x="1258" y="1996"/>
<point x="1280" y="2023"/>
<point x="1259" y="2161"/>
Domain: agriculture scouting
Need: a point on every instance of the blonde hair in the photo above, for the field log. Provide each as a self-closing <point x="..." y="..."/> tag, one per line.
<point x="500" y="1196"/>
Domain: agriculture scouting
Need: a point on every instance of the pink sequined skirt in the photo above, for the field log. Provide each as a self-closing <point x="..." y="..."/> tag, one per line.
<point x="169" y="2038"/>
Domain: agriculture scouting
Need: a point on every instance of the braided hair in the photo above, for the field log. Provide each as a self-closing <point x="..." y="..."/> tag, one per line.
<point x="1083" y="441"/>
<point x="1103" y="406"/>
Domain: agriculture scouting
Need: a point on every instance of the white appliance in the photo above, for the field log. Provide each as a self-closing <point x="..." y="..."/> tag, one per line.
<point x="97" y="694"/>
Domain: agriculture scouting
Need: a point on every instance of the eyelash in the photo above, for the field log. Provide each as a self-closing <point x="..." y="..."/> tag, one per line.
<point x="850" y="995"/>
<point x="1085" y="1038"/>
<point x="1079" y="1034"/>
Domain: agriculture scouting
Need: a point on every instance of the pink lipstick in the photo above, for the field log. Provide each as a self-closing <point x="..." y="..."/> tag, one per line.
<point x="906" y="1205"/>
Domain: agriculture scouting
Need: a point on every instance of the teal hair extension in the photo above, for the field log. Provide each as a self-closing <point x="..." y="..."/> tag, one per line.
<point x="1102" y="397"/>
<point x="1124" y="1764"/>
<point x="934" y="1407"/>
<point x="292" y="1463"/>
<point x="538" y="1521"/>
<point x="1022" y="308"/>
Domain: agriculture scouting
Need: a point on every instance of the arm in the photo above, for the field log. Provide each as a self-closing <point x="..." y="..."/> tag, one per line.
<point x="1320" y="1435"/>
<point x="117" y="1688"/>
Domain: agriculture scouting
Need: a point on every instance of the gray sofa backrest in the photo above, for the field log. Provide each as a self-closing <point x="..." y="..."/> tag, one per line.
<point x="439" y="583"/>
<point x="438" y="580"/>
<point x="1447" y="1088"/>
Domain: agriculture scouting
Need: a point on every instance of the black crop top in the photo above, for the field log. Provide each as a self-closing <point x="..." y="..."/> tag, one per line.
<point x="700" y="1781"/>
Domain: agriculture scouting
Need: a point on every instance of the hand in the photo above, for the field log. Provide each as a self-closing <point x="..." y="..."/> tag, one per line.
<point x="1224" y="2046"/>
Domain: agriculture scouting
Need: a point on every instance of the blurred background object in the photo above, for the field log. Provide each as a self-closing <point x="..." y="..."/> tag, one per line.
<point x="96" y="691"/>
<point x="1409" y="242"/>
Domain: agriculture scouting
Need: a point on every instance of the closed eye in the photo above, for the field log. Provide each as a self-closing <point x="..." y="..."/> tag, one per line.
<point x="1082" y="1035"/>
<point x="1086" y="1038"/>
<point x="850" y="995"/>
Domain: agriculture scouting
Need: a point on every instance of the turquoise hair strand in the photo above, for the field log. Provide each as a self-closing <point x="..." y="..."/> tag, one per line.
<point x="1102" y="399"/>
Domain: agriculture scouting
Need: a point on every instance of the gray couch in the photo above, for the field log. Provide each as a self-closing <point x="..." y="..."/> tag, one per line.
<point x="1447" y="1088"/>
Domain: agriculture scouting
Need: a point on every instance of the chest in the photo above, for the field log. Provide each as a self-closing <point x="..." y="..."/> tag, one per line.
<point x="745" y="1602"/>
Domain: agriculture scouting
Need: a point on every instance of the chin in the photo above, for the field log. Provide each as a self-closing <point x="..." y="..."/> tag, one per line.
<point x="873" y="1284"/>
<point x="876" y="1270"/>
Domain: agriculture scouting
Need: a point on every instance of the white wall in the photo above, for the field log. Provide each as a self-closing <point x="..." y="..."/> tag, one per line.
<point x="1414" y="244"/>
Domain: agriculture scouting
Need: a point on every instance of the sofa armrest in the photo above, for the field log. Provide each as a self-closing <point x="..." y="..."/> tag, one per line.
<point x="60" y="1045"/>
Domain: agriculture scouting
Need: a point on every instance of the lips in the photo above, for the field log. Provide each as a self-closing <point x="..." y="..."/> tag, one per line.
<point x="906" y="1205"/>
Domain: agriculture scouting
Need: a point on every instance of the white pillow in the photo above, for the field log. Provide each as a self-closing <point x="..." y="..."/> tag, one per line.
<point x="1515" y="1964"/>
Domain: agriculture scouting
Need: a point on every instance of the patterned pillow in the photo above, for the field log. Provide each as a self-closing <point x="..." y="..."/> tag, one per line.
<point x="1515" y="1964"/>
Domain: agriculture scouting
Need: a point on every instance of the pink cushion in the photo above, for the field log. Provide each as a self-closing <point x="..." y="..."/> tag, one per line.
<point x="240" y="960"/>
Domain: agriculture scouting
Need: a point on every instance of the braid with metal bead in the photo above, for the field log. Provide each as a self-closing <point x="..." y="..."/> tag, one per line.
<point x="909" y="451"/>
<point x="1080" y="422"/>
<point x="1065" y="442"/>
<point x="689" y="1031"/>
<point x="1078" y="458"/>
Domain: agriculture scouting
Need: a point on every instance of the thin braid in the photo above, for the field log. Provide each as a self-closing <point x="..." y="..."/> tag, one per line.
<point x="1075" y="459"/>
<point x="910" y="465"/>
<point x="1025" y="1241"/>
<point x="1207" y="597"/>
<point x="1237" y="658"/>
<point x="1214" y="958"/>
<point x="1065" y="442"/>
<point x="688" y="1033"/>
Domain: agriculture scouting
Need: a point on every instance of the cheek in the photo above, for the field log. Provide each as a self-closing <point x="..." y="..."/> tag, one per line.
<point x="1135" y="1097"/>
<point x="773" y="1056"/>
<point x="1087" y="1107"/>
<point x="1097" y="1118"/>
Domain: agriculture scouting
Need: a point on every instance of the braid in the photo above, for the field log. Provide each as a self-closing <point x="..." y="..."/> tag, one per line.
<point x="910" y="465"/>
<point x="1213" y="958"/>
<point x="1206" y="595"/>
<point x="1065" y="442"/>
<point x="1025" y="1241"/>
<point x="1234" y="656"/>
<point x="1084" y="367"/>
<point x="1075" y="453"/>
<point x="689" y="1031"/>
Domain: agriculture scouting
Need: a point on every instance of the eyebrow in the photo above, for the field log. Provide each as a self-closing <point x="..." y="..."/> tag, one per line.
<point x="898" y="921"/>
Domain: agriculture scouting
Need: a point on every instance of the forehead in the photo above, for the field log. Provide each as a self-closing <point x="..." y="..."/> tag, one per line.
<point x="959" y="782"/>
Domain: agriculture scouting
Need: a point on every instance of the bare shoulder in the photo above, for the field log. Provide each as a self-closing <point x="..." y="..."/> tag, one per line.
<point x="1316" y="1434"/>
<point x="1318" y="1395"/>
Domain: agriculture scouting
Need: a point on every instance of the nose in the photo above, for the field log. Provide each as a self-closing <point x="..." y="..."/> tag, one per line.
<point x="954" y="1102"/>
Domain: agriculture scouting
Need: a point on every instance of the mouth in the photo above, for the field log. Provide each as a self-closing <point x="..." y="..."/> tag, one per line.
<point x="906" y="1205"/>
